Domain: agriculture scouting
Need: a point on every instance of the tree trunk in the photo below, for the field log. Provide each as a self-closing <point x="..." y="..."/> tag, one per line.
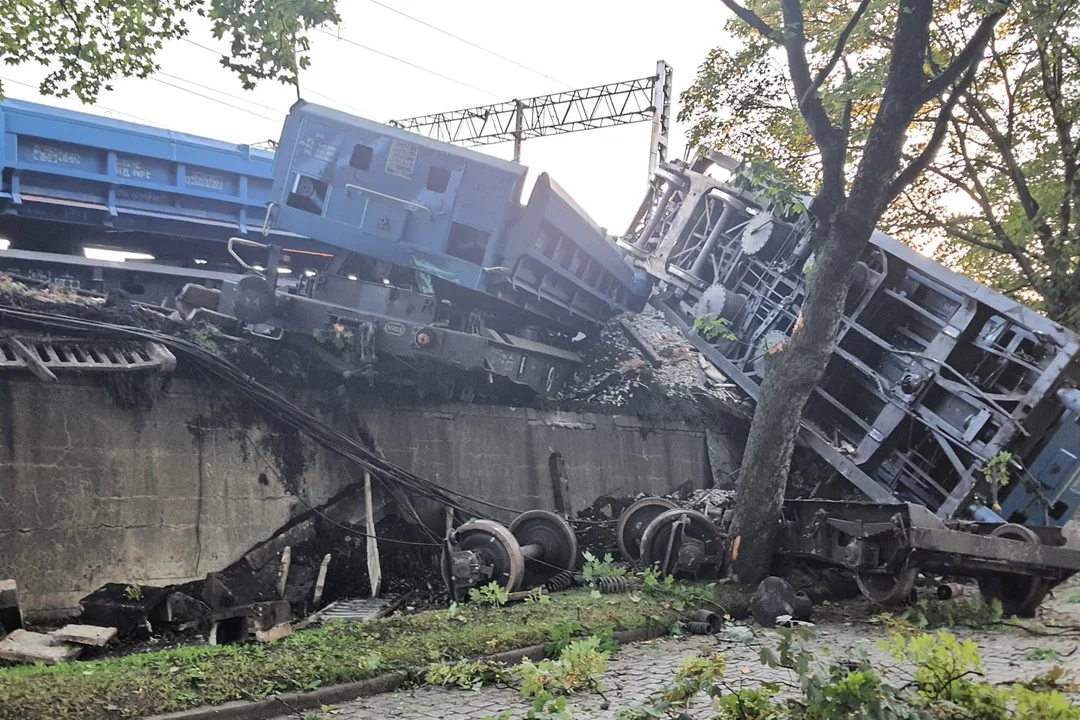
<point x="790" y="376"/>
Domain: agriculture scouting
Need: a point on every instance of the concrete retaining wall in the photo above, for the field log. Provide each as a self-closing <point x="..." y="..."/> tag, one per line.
<point x="91" y="492"/>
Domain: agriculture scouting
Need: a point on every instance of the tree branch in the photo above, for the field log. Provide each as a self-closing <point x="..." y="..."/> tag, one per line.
<point x="900" y="102"/>
<point x="849" y="107"/>
<point x="941" y="130"/>
<point x="841" y="43"/>
<point x="982" y="198"/>
<point x="752" y="19"/>
<point x="975" y="45"/>
<point x="825" y="134"/>
<point x="981" y="119"/>
<point x="1010" y="99"/>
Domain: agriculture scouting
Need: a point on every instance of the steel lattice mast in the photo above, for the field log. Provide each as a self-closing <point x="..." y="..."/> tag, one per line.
<point x="632" y="101"/>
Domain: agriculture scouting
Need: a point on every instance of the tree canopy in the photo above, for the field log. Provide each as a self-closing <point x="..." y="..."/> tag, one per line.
<point x="855" y="100"/>
<point x="999" y="200"/>
<point x="88" y="44"/>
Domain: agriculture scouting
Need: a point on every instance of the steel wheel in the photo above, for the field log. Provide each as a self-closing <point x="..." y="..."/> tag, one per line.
<point x="633" y="521"/>
<point x="683" y="542"/>
<point x="1018" y="594"/>
<point x="498" y="548"/>
<point x="555" y="535"/>
<point x="886" y="589"/>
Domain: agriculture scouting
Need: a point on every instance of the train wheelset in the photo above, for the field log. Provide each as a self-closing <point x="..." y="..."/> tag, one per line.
<point x="536" y="547"/>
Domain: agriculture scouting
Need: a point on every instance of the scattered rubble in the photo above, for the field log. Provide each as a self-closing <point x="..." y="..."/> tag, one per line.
<point x="237" y="623"/>
<point x="182" y="611"/>
<point x="92" y="635"/>
<point x="714" y="503"/>
<point x="642" y="365"/>
<point x="124" y="607"/>
<point x="31" y="647"/>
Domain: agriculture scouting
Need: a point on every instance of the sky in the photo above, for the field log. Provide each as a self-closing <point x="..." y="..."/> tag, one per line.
<point x="551" y="46"/>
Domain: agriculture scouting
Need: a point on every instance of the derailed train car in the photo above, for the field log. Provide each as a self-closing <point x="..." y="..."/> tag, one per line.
<point x="934" y="382"/>
<point x="450" y="212"/>
<point x="932" y="375"/>
<point x="409" y="254"/>
<point x="475" y="280"/>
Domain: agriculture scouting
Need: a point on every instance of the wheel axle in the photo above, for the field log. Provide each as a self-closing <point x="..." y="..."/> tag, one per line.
<point x="536" y="546"/>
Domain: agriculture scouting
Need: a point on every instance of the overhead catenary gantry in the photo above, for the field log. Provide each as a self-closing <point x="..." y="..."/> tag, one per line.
<point x="645" y="99"/>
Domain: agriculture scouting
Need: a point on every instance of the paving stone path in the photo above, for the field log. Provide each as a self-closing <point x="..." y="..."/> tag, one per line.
<point x="638" y="670"/>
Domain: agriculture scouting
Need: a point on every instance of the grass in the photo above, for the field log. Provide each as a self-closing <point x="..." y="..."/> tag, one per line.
<point x="148" y="684"/>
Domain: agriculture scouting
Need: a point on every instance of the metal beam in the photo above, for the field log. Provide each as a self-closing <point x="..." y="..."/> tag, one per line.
<point x="643" y="100"/>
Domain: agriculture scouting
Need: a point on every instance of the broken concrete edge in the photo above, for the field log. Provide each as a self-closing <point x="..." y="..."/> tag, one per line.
<point x="291" y="703"/>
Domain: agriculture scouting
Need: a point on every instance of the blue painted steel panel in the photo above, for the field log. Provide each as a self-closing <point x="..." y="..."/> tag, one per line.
<point x="1051" y="495"/>
<point x="120" y="173"/>
<point x="557" y="250"/>
<point x="392" y="195"/>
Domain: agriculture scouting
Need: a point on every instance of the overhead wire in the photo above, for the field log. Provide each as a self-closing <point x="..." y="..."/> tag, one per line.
<point x="97" y="105"/>
<point x="221" y="92"/>
<point x="470" y="43"/>
<point x="304" y="90"/>
<point x="270" y="402"/>
<point x="214" y="99"/>
<point x="350" y="41"/>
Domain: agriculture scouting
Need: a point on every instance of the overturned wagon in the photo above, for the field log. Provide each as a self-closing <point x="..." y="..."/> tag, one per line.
<point x="941" y="394"/>
<point x="932" y="379"/>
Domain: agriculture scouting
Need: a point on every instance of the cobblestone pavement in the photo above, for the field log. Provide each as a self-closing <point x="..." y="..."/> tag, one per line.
<point x="637" y="670"/>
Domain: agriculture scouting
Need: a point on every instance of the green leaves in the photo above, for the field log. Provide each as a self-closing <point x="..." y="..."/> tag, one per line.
<point x="996" y="470"/>
<point x="594" y="567"/>
<point x="492" y="594"/>
<point x="578" y="667"/>
<point x="468" y="675"/>
<point x="713" y="327"/>
<point x="87" y="44"/>
<point x="269" y="38"/>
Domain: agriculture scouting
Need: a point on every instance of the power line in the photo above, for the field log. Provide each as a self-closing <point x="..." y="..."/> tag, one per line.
<point x="98" y="106"/>
<point x="304" y="90"/>
<point x="411" y="64"/>
<point x="469" y="42"/>
<point x="213" y="99"/>
<point x="220" y="92"/>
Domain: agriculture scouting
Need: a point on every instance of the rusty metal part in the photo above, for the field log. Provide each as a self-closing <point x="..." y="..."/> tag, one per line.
<point x="683" y="543"/>
<point x="888" y="588"/>
<point x="610" y="584"/>
<point x="562" y="581"/>
<point x="632" y="523"/>
<point x="1018" y="594"/>
<point x="548" y="544"/>
<point x="709" y="619"/>
<point x="948" y="591"/>
<point x="885" y="546"/>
